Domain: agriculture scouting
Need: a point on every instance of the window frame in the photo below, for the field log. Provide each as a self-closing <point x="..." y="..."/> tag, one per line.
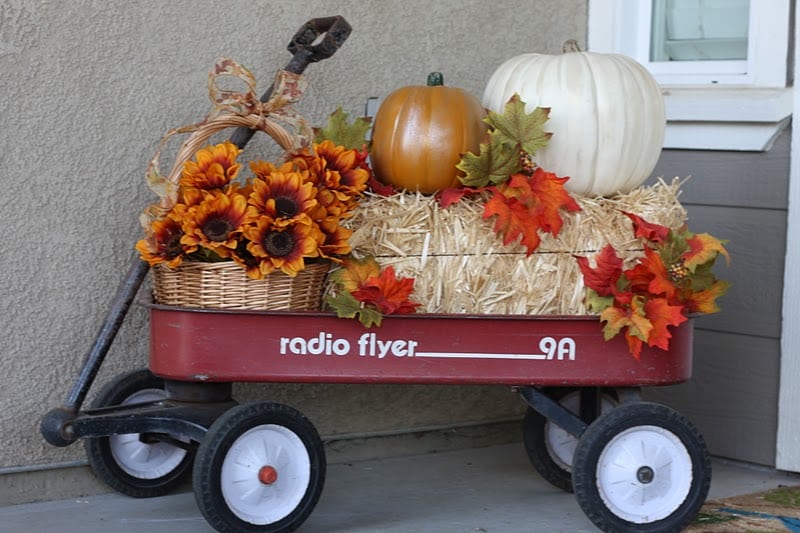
<point x="727" y="110"/>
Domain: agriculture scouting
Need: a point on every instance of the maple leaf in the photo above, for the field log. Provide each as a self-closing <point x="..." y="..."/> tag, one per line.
<point x="355" y="272"/>
<point x="496" y="161"/>
<point x="527" y="204"/>
<point x="602" y="279"/>
<point x="344" y="133"/>
<point x="516" y="127"/>
<point x="661" y="315"/>
<point x="655" y="233"/>
<point x="703" y="248"/>
<point x="346" y="306"/>
<point x="650" y="276"/>
<point x="704" y="301"/>
<point x="452" y="195"/>
<point x="513" y="220"/>
<point x="387" y="293"/>
<point x="383" y="189"/>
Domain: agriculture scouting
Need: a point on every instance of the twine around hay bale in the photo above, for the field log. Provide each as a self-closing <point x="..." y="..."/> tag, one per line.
<point x="461" y="266"/>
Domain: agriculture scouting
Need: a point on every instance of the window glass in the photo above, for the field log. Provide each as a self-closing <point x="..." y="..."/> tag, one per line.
<point x="699" y="30"/>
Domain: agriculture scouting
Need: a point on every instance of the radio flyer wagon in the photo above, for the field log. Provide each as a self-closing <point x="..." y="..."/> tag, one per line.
<point x="633" y="465"/>
<point x="260" y="466"/>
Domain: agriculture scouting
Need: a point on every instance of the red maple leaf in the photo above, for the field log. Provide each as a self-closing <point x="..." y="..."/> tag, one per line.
<point x="604" y="276"/>
<point x="452" y="195"/>
<point x="655" y="233"/>
<point x="526" y="204"/>
<point x="383" y="189"/>
<point x="387" y="293"/>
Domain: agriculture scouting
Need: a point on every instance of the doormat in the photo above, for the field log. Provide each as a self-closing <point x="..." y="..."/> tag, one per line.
<point x="776" y="510"/>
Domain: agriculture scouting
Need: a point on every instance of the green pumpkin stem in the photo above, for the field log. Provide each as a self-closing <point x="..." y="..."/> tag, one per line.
<point x="435" y="78"/>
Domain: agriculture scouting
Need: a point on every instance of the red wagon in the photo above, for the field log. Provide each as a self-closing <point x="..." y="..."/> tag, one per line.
<point x="633" y="465"/>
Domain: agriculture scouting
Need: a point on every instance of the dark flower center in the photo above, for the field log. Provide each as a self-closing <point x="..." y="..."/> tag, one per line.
<point x="279" y="243"/>
<point x="286" y="206"/>
<point x="173" y="248"/>
<point x="217" y="229"/>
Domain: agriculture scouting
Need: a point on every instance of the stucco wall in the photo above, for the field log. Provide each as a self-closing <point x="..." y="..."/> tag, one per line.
<point x="89" y="87"/>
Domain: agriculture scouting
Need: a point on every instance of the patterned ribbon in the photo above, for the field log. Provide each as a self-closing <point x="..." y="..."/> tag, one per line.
<point x="231" y="109"/>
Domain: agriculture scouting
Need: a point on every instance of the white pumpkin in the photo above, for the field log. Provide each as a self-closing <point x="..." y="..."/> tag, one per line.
<point x="607" y="115"/>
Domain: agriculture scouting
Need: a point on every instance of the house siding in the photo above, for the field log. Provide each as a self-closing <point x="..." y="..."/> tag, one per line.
<point x="733" y="393"/>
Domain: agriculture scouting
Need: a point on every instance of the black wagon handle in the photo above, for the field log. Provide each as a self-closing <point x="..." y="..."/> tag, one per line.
<point x="316" y="40"/>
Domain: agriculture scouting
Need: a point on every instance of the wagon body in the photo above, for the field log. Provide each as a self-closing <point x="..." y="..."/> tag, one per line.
<point x="227" y="346"/>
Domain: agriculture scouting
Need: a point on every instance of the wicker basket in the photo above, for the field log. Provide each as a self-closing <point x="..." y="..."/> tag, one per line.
<point x="225" y="285"/>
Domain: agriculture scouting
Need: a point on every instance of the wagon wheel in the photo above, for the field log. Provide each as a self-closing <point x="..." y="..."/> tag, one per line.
<point x="550" y="448"/>
<point x="261" y="467"/>
<point x="641" y="467"/>
<point x="125" y="462"/>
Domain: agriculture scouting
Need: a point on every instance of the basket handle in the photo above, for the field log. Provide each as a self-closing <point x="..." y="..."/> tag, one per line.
<point x="231" y="109"/>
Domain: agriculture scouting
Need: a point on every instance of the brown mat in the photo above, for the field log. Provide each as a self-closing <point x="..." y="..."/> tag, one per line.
<point x="776" y="510"/>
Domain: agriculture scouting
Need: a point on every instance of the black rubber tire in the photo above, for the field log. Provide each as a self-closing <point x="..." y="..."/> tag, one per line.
<point x="246" y="425"/>
<point x="650" y="419"/>
<point x="99" y="449"/>
<point x="534" y="436"/>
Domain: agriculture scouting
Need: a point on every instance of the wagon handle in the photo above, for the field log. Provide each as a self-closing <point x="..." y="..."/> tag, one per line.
<point x="316" y="40"/>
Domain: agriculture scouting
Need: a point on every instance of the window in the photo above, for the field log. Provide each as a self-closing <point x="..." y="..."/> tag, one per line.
<point x="722" y="64"/>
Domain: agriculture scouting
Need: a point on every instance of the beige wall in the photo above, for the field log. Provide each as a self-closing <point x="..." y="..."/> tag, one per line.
<point x="89" y="87"/>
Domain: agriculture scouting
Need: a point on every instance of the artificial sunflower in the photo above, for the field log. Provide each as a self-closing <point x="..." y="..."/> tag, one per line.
<point x="283" y="246"/>
<point x="163" y="244"/>
<point x="352" y="178"/>
<point x="215" y="223"/>
<point x="213" y="168"/>
<point x="282" y="195"/>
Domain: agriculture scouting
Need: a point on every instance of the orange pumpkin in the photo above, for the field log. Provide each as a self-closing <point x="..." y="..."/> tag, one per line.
<point x="420" y="132"/>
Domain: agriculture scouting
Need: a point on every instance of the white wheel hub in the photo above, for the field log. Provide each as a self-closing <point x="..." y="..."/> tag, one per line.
<point x="644" y="474"/>
<point x="265" y="474"/>
<point x="139" y="459"/>
<point x="560" y="444"/>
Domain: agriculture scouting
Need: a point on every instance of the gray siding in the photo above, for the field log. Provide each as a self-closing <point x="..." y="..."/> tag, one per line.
<point x="733" y="394"/>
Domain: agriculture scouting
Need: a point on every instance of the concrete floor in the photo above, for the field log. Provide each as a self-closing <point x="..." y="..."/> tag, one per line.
<point x="490" y="490"/>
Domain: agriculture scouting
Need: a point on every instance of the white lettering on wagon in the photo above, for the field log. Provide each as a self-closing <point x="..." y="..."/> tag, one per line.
<point x="370" y="345"/>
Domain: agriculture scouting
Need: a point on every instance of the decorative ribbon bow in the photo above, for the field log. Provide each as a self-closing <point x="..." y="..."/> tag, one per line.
<point x="231" y="109"/>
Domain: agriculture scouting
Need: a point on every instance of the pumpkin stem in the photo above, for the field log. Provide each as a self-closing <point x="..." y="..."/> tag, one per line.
<point x="570" y="46"/>
<point x="435" y="78"/>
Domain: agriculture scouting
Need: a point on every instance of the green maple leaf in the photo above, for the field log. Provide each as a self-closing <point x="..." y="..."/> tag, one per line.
<point x="495" y="163"/>
<point x="596" y="303"/>
<point x="351" y="135"/>
<point x="517" y="127"/>
<point x="346" y="306"/>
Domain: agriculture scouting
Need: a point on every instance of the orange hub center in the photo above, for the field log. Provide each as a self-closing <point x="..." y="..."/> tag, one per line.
<point x="267" y="475"/>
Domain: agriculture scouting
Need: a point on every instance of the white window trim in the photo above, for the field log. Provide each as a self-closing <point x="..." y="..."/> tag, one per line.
<point x="726" y="111"/>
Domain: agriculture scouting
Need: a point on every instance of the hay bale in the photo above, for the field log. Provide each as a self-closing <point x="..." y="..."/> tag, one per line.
<point x="461" y="266"/>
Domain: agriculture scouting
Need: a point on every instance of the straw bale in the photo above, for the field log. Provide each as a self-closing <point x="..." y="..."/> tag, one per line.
<point x="461" y="266"/>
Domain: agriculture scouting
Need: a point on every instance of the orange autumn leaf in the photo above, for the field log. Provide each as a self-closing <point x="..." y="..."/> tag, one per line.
<point x="705" y="301"/>
<point x="527" y="204"/>
<point x="356" y="272"/>
<point x="389" y="294"/>
<point x="662" y="315"/>
<point x="651" y="276"/>
<point x="702" y="249"/>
